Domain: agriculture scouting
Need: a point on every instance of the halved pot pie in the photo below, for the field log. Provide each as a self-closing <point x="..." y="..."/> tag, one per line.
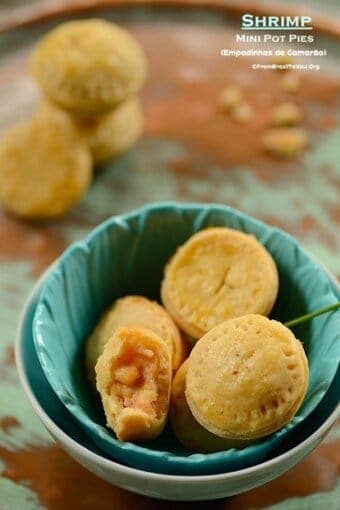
<point x="133" y="377"/>
<point x="134" y="311"/>
<point x="218" y="274"/>
<point x="187" y="430"/>
<point x="246" y="378"/>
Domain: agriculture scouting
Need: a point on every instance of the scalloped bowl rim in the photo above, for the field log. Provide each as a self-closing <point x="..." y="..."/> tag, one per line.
<point x="85" y="244"/>
<point x="63" y="438"/>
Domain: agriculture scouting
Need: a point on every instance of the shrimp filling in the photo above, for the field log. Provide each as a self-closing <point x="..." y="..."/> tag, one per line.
<point x="137" y="380"/>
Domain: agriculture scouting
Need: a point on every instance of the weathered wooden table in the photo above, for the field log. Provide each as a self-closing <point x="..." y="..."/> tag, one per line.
<point x="189" y="152"/>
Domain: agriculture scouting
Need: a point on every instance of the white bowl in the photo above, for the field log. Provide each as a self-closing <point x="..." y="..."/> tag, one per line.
<point x="156" y="485"/>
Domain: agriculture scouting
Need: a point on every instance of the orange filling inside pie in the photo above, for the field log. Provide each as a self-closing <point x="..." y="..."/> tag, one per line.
<point x="134" y="377"/>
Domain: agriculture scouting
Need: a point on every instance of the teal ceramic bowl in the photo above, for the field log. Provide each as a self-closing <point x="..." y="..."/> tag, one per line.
<point x="127" y="255"/>
<point x="66" y="431"/>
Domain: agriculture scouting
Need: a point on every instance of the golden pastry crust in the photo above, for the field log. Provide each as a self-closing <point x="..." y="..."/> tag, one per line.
<point x="140" y="312"/>
<point x="246" y="378"/>
<point x="108" y="134"/>
<point x="134" y="378"/>
<point x="187" y="430"/>
<point x="218" y="274"/>
<point x="285" y="142"/>
<point x="88" y="66"/>
<point x="45" y="169"/>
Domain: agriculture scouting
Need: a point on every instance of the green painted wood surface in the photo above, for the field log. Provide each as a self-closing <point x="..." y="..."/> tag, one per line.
<point x="302" y="197"/>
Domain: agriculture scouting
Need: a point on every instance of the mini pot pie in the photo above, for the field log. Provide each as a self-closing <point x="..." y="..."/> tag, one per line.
<point x="45" y="169"/>
<point x="133" y="378"/>
<point x="108" y="134"/>
<point x="134" y="311"/>
<point x="187" y="430"/>
<point x="246" y="378"/>
<point x="218" y="274"/>
<point x="88" y="66"/>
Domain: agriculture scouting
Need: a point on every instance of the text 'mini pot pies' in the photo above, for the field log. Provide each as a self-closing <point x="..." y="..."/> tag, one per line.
<point x="218" y="274"/>
<point x="246" y="378"/>
<point x="133" y="377"/>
